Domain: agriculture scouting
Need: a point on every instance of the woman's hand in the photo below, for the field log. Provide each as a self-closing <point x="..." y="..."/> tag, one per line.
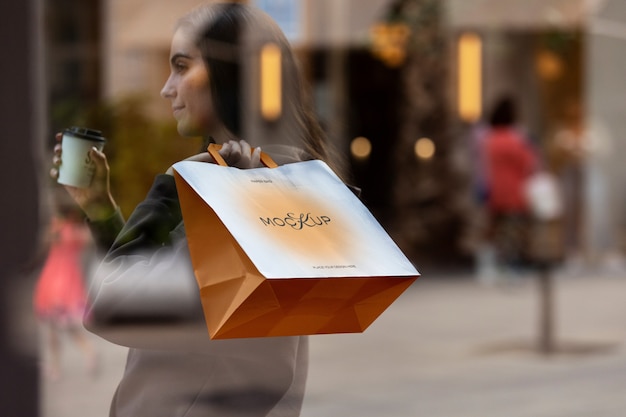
<point x="239" y="154"/>
<point x="96" y="200"/>
<point x="236" y="154"/>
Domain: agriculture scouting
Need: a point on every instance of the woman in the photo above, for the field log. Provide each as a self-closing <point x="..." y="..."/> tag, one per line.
<point x="146" y="277"/>
<point x="510" y="160"/>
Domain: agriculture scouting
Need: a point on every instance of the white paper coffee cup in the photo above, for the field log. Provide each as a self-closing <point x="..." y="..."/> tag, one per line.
<point x="77" y="168"/>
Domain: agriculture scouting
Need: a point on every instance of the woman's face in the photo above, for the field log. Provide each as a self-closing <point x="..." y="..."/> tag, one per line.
<point x="188" y="88"/>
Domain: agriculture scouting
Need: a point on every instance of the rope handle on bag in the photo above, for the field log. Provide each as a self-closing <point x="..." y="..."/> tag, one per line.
<point x="214" y="148"/>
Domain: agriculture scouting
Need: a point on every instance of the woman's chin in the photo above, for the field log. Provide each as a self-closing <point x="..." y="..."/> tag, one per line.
<point x="186" y="132"/>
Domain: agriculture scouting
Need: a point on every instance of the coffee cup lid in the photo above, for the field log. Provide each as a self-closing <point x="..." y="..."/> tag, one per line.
<point x="85" y="133"/>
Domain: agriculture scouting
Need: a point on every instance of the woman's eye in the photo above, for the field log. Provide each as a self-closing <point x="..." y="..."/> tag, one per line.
<point x="179" y="66"/>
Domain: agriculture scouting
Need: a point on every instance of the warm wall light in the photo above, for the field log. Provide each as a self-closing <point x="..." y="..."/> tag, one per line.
<point x="360" y="147"/>
<point x="271" y="82"/>
<point x="424" y="148"/>
<point x="470" y="77"/>
<point x="549" y="65"/>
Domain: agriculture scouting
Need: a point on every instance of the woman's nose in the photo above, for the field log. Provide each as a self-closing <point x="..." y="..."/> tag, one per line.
<point x="167" y="91"/>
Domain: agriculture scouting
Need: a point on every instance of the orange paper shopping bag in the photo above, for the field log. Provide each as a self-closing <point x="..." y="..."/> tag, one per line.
<point x="286" y="251"/>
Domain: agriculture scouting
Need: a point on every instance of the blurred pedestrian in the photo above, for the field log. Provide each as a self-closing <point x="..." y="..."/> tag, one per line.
<point x="579" y="154"/>
<point x="146" y="277"/>
<point x="510" y="160"/>
<point x="60" y="297"/>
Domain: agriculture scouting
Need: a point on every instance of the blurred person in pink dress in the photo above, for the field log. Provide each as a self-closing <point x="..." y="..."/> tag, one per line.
<point x="60" y="296"/>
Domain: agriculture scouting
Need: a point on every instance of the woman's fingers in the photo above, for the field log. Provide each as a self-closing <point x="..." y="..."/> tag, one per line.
<point x="101" y="173"/>
<point x="225" y="151"/>
<point x="240" y="154"/>
<point x="231" y="152"/>
<point x="255" y="160"/>
<point x="56" y="157"/>
<point x="245" y="148"/>
<point x="236" y="153"/>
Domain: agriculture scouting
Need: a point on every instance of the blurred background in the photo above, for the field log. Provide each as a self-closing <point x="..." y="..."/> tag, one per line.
<point x="406" y="90"/>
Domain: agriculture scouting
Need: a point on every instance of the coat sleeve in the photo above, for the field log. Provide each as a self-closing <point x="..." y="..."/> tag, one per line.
<point x="105" y="231"/>
<point x="144" y="293"/>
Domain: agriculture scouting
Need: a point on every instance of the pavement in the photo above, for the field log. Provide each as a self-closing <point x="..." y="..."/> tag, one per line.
<point x="450" y="346"/>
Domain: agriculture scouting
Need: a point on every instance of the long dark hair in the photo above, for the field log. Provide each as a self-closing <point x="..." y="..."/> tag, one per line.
<point x="220" y="29"/>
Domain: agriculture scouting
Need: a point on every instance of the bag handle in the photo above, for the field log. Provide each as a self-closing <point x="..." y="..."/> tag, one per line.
<point x="214" y="148"/>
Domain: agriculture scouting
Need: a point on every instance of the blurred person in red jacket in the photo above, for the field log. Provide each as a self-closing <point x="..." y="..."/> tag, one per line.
<point x="510" y="160"/>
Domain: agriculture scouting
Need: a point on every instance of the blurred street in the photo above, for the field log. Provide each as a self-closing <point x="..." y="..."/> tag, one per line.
<point x="449" y="346"/>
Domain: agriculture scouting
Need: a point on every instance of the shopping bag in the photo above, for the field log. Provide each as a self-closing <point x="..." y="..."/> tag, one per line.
<point x="285" y="251"/>
<point x="544" y="196"/>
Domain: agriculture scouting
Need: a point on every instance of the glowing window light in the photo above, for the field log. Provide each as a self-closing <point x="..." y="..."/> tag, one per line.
<point x="470" y="77"/>
<point x="360" y="147"/>
<point x="424" y="148"/>
<point x="271" y="85"/>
